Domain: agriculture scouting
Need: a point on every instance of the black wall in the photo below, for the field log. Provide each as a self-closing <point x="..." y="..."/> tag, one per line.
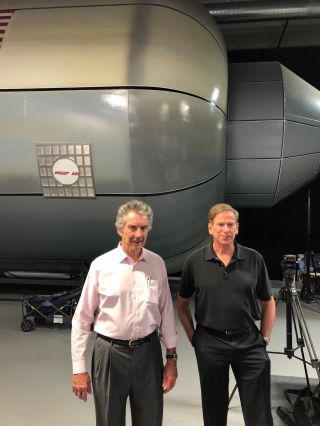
<point x="282" y="229"/>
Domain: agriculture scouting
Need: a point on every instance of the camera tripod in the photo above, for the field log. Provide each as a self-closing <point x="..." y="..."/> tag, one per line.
<point x="294" y="315"/>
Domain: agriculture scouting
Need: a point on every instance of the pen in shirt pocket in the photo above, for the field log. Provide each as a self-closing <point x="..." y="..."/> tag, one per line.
<point x="148" y="281"/>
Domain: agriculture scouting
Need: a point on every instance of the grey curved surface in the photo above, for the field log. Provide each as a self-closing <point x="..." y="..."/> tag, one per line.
<point x="139" y="150"/>
<point x="273" y="141"/>
<point x="265" y="134"/>
<point x="188" y="7"/>
<point x="247" y="175"/>
<point x="140" y="44"/>
<point x="34" y="227"/>
<point x="145" y="85"/>
<point x="300" y="139"/>
<point x="259" y="100"/>
<point x="298" y="169"/>
<point x="143" y="141"/>
<point x="301" y="99"/>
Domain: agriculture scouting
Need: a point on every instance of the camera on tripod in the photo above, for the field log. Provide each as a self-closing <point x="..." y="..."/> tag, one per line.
<point x="289" y="265"/>
<point x="294" y="316"/>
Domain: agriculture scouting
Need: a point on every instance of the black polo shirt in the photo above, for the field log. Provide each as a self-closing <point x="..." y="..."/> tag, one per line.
<point x="226" y="297"/>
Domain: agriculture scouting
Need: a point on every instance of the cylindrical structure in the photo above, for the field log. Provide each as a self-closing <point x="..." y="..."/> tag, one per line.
<point x="273" y="144"/>
<point x="107" y="103"/>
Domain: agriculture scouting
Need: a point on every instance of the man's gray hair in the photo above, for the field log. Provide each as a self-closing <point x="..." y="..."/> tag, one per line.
<point x="137" y="206"/>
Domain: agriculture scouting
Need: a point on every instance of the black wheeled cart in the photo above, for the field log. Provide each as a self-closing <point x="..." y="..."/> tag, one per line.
<point x="55" y="308"/>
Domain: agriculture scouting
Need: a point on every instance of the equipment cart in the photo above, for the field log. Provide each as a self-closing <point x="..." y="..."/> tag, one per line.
<point x="56" y="308"/>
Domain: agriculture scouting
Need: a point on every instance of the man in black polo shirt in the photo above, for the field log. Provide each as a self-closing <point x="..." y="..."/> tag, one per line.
<point x="227" y="280"/>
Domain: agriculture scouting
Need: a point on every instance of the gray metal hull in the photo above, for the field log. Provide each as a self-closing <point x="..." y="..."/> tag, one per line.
<point x="147" y="145"/>
<point x="143" y="86"/>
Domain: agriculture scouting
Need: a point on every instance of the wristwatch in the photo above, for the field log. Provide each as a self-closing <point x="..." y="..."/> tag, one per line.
<point x="172" y="356"/>
<point x="267" y="339"/>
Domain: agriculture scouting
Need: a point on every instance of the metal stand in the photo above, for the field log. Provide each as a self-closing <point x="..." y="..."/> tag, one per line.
<point x="295" y="316"/>
<point x="306" y="289"/>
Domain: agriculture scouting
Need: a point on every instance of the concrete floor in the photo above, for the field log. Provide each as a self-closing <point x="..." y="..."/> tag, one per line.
<point x="35" y="371"/>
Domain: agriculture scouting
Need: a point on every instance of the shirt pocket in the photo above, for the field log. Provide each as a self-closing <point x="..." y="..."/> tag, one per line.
<point x="109" y="289"/>
<point x="111" y="283"/>
<point x="153" y="291"/>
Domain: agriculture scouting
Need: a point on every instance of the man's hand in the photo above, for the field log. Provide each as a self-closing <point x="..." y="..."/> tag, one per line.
<point x="81" y="385"/>
<point x="170" y="375"/>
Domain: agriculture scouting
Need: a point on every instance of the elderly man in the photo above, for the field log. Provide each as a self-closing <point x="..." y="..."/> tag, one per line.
<point x="227" y="278"/>
<point x="126" y="298"/>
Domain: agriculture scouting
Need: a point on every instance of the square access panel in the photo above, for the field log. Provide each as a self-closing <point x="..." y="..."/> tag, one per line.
<point x="65" y="170"/>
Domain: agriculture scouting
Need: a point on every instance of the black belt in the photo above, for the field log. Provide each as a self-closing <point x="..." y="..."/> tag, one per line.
<point x="134" y="343"/>
<point x="231" y="332"/>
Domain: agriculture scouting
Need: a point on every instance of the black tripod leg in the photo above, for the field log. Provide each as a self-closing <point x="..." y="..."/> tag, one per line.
<point x="232" y="393"/>
<point x="294" y="313"/>
<point x="288" y="350"/>
<point x="300" y="341"/>
<point x="305" y="339"/>
<point x="305" y="366"/>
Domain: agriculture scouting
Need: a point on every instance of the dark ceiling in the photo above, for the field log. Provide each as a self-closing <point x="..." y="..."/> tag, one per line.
<point x="260" y="24"/>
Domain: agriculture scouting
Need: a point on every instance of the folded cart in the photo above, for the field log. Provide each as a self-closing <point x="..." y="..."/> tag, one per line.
<point x="56" y="308"/>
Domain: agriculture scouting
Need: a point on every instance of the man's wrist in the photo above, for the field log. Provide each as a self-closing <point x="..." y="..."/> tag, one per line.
<point x="267" y="339"/>
<point x="172" y="356"/>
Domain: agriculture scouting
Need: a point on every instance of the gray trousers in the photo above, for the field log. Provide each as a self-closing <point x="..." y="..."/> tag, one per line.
<point x="119" y="372"/>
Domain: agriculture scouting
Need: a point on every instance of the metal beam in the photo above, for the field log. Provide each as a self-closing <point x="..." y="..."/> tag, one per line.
<point x="254" y="11"/>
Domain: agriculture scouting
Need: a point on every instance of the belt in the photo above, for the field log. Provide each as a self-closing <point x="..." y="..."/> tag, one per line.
<point x="134" y="343"/>
<point x="232" y="332"/>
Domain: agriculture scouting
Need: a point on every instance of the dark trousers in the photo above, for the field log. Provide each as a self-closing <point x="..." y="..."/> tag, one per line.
<point x="118" y="373"/>
<point x="248" y="358"/>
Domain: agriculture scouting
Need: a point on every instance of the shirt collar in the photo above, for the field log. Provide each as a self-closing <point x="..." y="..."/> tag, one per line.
<point x="238" y="254"/>
<point x="122" y="255"/>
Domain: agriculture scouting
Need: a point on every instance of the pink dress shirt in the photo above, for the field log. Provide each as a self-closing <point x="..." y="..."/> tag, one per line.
<point x="124" y="300"/>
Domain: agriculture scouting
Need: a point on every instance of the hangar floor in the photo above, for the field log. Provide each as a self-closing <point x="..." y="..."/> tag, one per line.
<point x="35" y="373"/>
